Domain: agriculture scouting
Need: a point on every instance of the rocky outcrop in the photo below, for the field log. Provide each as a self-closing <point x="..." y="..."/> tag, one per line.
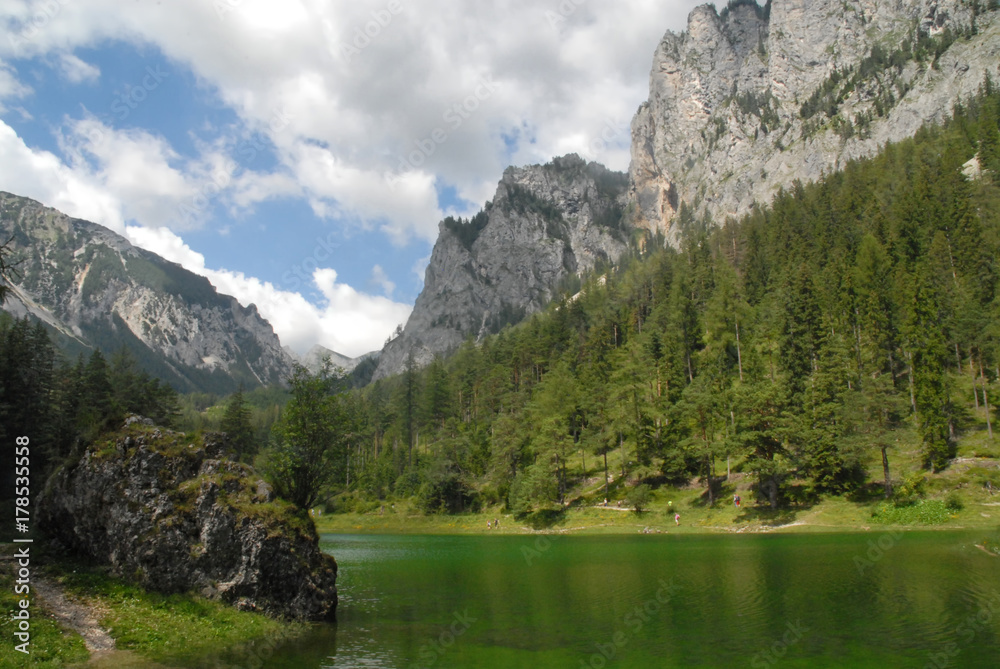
<point x="96" y="290"/>
<point x="747" y="100"/>
<point x="545" y="223"/>
<point x="175" y="515"/>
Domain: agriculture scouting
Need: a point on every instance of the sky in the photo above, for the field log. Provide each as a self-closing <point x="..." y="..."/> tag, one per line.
<point x="301" y="153"/>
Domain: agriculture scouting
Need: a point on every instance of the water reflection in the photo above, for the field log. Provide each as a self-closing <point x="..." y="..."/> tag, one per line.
<point x="810" y="600"/>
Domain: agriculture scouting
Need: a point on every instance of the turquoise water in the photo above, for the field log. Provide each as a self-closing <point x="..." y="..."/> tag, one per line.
<point x="826" y="600"/>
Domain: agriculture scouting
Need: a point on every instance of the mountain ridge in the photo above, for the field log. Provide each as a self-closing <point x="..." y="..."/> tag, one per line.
<point x="747" y="100"/>
<point x="545" y="223"/>
<point x="95" y="289"/>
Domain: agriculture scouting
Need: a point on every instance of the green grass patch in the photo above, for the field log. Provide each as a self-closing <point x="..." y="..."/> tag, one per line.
<point x="924" y="512"/>
<point x="50" y="645"/>
<point x="179" y="627"/>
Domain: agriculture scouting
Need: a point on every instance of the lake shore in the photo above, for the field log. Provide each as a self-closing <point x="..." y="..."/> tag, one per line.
<point x="831" y="515"/>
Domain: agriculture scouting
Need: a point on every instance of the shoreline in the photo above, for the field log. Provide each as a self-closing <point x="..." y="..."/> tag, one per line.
<point x="826" y="517"/>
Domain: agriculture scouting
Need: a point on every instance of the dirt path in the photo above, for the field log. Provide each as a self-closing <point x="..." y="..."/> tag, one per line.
<point x="72" y="615"/>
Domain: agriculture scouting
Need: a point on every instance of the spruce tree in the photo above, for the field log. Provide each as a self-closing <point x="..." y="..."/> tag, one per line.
<point x="237" y="424"/>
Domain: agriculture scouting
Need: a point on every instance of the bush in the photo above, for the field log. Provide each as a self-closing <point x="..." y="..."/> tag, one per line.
<point x="640" y="497"/>
<point x="954" y="502"/>
<point x="924" y="512"/>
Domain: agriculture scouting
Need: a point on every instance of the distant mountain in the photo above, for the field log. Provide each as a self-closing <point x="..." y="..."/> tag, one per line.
<point x="545" y="224"/>
<point x="94" y="289"/>
<point x="313" y="359"/>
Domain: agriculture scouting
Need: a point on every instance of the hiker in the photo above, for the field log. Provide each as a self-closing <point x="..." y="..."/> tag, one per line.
<point x="489" y="525"/>
<point x="677" y="518"/>
<point x="496" y="523"/>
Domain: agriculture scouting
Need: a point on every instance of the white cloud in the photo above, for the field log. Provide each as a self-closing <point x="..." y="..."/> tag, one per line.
<point x="76" y="71"/>
<point x="558" y="85"/>
<point x="42" y="176"/>
<point x="347" y="321"/>
<point x="367" y="141"/>
<point x="380" y="279"/>
<point x="10" y="87"/>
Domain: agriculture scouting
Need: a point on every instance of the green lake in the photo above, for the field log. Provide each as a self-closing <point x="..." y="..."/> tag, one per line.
<point x="929" y="599"/>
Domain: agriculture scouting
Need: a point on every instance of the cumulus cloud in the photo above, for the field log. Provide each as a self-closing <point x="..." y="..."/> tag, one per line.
<point x="346" y="321"/>
<point x="374" y="113"/>
<point x="373" y="88"/>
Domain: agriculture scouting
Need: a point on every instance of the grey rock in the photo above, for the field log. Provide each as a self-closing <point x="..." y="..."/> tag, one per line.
<point x="91" y="285"/>
<point x="176" y="516"/>
<point x="545" y="222"/>
<point x="723" y="130"/>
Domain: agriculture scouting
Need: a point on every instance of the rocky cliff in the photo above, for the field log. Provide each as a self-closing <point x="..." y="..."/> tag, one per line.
<point x="545" y="223"/>
<point x="96" y="290"/>
<point x="751" y="98"/>
<point x="176" y="516"/>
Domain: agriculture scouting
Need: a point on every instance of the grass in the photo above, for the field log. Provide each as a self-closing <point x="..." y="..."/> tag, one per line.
<point x="50" y="646"/>
<point x="156" y="627"/>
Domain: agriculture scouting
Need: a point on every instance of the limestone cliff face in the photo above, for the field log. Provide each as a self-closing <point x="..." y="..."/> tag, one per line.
<point x="176" y="516"/>
<point x="98" y="291"/>
<point x="545" y="223"/>
<point x="748" y="100"/>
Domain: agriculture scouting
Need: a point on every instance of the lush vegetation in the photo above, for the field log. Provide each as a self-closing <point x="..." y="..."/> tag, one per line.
<point x="795" y="346"/>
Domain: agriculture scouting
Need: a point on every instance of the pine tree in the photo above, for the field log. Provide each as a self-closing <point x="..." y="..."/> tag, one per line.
<point x="929" y="355"/>
<point x="237" y="423"/>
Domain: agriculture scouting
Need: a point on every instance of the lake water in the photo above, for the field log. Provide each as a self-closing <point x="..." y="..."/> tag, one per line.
<point x="805" y="600"/>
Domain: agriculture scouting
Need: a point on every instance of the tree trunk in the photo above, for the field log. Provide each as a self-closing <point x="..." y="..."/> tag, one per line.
<point x="772" y="492"/>
<point x="975" y="389"/>
<point x="739" y="355"/>
<point x="621" y="449"/>
<point x="885" y="472"/>
<point x="913" y="396"/>
<point x="708" y="477"/>
<point x="986" y="399"/>
<point x="605" y="473"/>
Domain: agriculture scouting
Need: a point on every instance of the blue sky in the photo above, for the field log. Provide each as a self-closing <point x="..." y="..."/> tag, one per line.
<point x="300" y="153"/>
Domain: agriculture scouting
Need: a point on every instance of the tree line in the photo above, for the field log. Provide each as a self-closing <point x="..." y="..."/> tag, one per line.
<point x="796" y="345"/>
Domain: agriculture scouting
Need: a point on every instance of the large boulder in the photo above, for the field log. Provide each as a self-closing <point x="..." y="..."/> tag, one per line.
<point x="173" y="514"/>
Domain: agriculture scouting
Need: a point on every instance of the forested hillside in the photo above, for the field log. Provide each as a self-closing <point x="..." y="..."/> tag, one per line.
<point x="794" y="345"/>
<point x="798" y="346"/>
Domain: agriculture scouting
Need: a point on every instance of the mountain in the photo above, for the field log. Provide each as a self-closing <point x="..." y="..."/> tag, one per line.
<point x="313" y="359"/>
<point x="751" y="98"/>
<point x="744" y="103"/>
<point x="95" y="290"/>
<point x="545" y="224"/>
